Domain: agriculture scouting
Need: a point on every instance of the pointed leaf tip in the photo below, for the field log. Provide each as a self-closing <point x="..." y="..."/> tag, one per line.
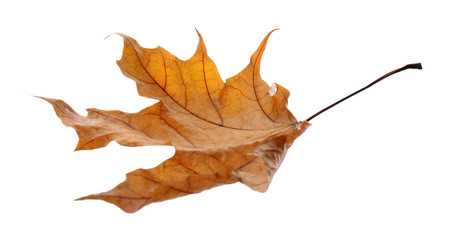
<point x="197" y="32"/>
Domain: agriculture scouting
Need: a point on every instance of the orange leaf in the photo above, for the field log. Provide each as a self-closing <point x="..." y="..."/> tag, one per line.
<point x="238" y="131"/>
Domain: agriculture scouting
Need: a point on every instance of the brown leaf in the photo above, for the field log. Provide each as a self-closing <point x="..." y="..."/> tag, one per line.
<point x="222" y="132"/>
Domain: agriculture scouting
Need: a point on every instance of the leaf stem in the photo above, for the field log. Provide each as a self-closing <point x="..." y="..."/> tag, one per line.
<point x="408" y="66"/>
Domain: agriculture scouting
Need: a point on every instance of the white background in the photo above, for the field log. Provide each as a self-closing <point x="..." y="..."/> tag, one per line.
<point x="382" y="165"/>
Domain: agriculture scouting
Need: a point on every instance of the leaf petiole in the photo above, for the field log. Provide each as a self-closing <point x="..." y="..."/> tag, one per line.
<point x="408" y="66"/>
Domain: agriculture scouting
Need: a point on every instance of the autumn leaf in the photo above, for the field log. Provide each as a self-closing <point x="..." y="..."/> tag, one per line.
<point x="238" y="131"/>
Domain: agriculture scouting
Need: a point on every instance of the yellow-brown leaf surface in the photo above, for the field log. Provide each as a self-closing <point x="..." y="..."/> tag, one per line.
<point x="238" y="131"/>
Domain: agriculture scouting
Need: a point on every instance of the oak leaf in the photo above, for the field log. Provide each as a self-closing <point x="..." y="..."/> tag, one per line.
<point x="238" y="131"/>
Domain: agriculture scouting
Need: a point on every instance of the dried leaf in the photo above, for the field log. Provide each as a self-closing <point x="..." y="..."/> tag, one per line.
<point x="238" y="131"/>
